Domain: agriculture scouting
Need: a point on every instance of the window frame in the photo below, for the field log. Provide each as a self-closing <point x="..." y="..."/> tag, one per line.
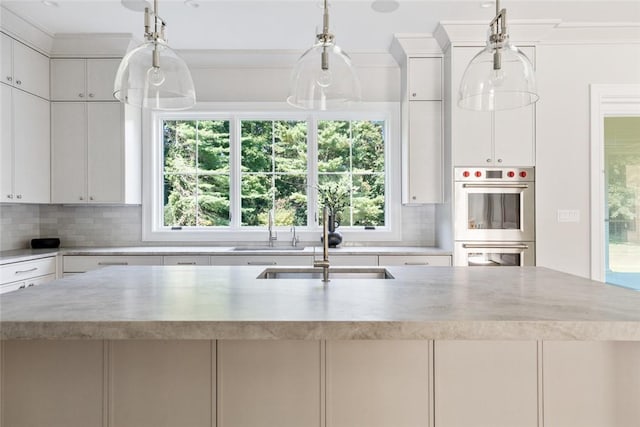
<point x="152" y="206"/>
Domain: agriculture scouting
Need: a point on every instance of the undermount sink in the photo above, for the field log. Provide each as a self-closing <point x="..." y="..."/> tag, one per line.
<point x="267" y="248"/>
<point x="334" y="273"/>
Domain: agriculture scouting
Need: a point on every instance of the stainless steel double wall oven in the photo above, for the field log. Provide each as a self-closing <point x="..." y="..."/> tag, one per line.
<point x="494" y="221"/>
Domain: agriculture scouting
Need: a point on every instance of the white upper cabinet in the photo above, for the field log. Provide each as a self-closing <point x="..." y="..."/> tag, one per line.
<point x="95" y="153"/>
<point x="423" y="153"/>
<point x="83" y="79"/>
<point x="425" y="79"/>
<point x="422" y="136"/>
<point x="24" y="147"/>
<point x="24" y="68"/>
<point x="489" y="138"/>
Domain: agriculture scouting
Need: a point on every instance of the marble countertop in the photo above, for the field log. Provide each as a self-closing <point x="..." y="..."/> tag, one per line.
<point x="28" y="254"/>
<point x="215" y="302"/>
<point x="19" y="255"/>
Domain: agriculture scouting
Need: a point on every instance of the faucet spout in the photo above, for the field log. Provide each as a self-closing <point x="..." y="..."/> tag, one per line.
<point x="325" y="246"/>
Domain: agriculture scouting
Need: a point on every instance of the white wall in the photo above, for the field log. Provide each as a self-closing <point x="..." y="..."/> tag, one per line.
<point x="564" y="73"/>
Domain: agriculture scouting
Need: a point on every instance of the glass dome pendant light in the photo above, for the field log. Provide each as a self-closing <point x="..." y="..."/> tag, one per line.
<point x="152" y="75"/>
<point x="500" y="77"/>
<point x="324" y="77"/>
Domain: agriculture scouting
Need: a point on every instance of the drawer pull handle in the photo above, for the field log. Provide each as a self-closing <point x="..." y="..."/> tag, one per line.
<point x="113" y="263"/>
<point x="261" y="263"/>
<point x="416" y="263"/>
<point x="26" y="271"/>
<point x="187" y="263"/>
<point x="22" y="287"/>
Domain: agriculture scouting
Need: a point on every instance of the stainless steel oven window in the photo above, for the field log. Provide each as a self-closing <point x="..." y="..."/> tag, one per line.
<point x="494" y="211"/>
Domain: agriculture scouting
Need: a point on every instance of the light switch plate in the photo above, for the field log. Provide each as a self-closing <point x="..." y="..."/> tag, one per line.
<point x="568" y="215"/>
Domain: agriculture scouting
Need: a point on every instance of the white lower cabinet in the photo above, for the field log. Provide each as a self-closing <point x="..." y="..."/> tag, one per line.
<point x="347" y="260"/>
<point x="53" y="383"/>
<point x="25" y="274"/>
<point x="160" y="383"/>
<point x="269" y="383"/>
<point x="304" y="260"/>
<point x="377" y="383"/>
<point x="486" y="383"/>
<point x="591" y="384"/>
<point x="186" y="260"/>
<point x="413" y="260"/>
<point x="83" y="263"/>
<point x="280" y="383"/>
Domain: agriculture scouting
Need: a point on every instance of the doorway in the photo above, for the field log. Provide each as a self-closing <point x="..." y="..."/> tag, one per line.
<point x="615" y="204"/>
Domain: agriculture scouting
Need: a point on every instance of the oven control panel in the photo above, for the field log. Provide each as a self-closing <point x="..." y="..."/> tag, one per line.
<point x="494" y="174"/>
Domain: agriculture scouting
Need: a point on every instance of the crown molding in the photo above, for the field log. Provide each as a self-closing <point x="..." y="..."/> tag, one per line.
<point x="22" y="30"/>
<point x="474" y="33"/>
<point x="413" y="44"/>
<point x="594" y="33"/>
<point x="92" y="45"/>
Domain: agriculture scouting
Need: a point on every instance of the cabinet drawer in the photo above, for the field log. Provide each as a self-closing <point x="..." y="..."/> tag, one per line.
<point x="409" y="260"/>
<point x="9" y="287"/>
<point x="22" y="271"/>
<point x="82" y="263"/>
<point x="186" y="260"/>
<point x="261" y="260"/>
<point x="348" y="260"/>
<point x="23" y="284"/>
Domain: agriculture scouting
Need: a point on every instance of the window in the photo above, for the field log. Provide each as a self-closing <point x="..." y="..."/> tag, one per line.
<point x="221" y="174"/>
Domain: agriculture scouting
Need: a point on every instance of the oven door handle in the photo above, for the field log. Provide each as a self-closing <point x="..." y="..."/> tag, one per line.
<point x="496" y="185"/>
<point x="492" y="246"/>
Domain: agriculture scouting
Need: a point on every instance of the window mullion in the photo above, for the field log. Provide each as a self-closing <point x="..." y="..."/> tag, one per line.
<point x="312" y="171"/>
<point x="235" y="185"/>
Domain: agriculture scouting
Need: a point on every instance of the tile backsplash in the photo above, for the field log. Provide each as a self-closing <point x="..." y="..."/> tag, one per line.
<point x="82" y="226"/>
<point x="18" y="225"/>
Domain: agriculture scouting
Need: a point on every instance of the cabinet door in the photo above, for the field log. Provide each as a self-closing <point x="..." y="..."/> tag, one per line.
<point x="377" y="383"/>
<point x="486" y="383"/>
<point x="30" y="70"/>
<point x="161" y="383"/>
<point x="101" y="74"/>
<point x="471" y="131"/>
<point x="68" y="152"/>
<point x="6" y="143"/>
<point x="53" y="383"/>
<point x="423" y="156"/>
<point x="591" y="384"/>
<point x="6" y="54"/>
<point x="425" y="79"/>
<point x="269" y="383"/>
<point x="32" y="155"/>
<point x="68" y="79"/>
<point x="514" y="133"/>
<point x="105" y="155"/>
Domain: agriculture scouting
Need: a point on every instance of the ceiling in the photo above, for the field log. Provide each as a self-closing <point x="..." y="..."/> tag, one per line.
<point x="292" y="24"/>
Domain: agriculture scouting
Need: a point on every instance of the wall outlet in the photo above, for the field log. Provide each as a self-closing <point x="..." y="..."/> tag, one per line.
<point x="568" y="215"/>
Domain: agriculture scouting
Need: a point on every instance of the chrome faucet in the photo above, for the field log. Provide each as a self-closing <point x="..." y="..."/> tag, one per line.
<point x="272" y="234"/>
<point x="294" y="238"/>
<point x="325" y="246"/>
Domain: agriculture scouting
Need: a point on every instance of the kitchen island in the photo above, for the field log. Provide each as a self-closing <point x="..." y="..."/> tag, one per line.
<point x="208" y="346"/>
